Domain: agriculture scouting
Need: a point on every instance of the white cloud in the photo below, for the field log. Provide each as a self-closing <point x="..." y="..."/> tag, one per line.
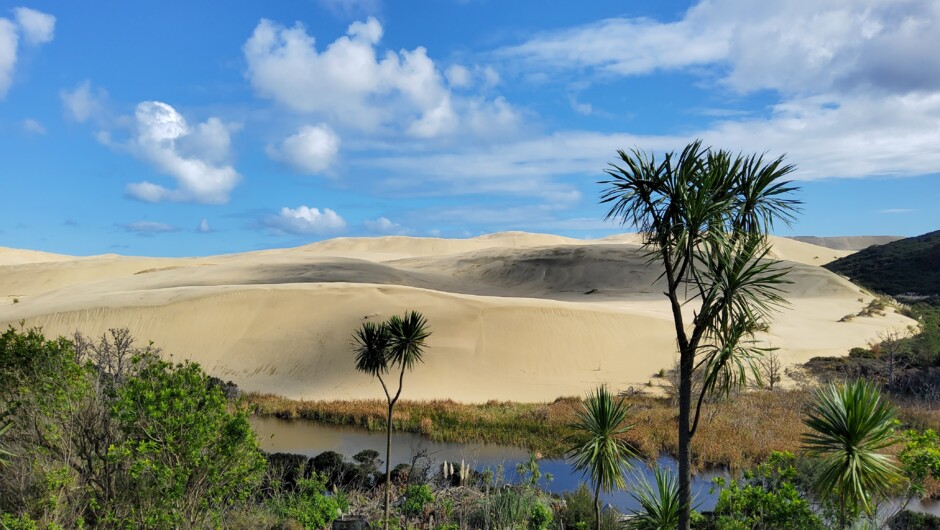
<point x="312" y="149"/>
<point x="203" y="227"/>
<point x="194" y="157"/>
<point x="9" y="40"/>
<point x="352" y="83"/>
<point x="457" y="76"/>
<point x="37" y="27"/>
<point x="858" y="137"/>
<point x="891" y="211"/>
<point x="32" y="126"/>
<point x="795" y="47"/>
<point x="149" y="228"/>
<point x="383" y="225"/>
<point x="351" y="8"/>
<point x="304" y="221"/>
<point x="82" y="102"/>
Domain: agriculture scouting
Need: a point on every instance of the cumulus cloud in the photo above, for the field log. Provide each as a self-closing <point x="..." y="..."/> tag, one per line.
<point x="304" y="221"/>
<point x="83" y="102"/>
<point x="32" y="126"/>
<point x="458" y="76"/>
<point x="35" y="28"/>
<point x="350" y="82"/>
<point x="193" y="156"/>
<point x="858" y="137"/>
<point x="148" y="228"/>
<point x="312" y="149"/>
<point x="794" y="47"/>
<point x="383" y="225"/>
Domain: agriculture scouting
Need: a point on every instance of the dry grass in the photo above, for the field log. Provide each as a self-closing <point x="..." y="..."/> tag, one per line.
<point x="734" y="434"/>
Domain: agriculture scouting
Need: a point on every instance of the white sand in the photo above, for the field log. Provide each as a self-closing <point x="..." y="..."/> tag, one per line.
<point x="510" y="313"/>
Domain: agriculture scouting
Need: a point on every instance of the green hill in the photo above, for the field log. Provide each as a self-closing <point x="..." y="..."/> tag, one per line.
<point x="906" y="267"/>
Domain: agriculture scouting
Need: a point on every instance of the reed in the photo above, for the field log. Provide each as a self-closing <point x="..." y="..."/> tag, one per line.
<point x="736" y="433"/>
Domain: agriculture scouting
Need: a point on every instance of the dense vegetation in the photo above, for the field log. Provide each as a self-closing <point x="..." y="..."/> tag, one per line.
<point x="906" y="267"/>
<point x="102" y="434"/>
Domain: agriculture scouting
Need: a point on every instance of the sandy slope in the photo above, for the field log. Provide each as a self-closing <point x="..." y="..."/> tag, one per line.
<point x="847" y="242"/>
<point x="515" y="316"/>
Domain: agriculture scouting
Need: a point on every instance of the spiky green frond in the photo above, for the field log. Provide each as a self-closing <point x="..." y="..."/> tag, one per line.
<point x="407" y="337"/>
<point x="659" y="502"/>
<point x="598" y="449"/>
<point x="371" y="346"/>
<point x="849" y="425"/>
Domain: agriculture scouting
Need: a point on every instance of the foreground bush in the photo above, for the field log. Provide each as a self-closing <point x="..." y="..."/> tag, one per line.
<point x="107" y="435"/>
<point x="766" y="498"/>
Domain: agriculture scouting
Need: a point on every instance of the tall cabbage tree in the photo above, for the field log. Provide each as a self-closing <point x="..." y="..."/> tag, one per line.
<point x="704" y="215"/>
<point x="598" y="449"/>
<point x="849" y="426"/>
<point x="394" y="345"/>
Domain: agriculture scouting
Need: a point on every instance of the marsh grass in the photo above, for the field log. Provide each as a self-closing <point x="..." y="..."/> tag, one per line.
<point x="735" y="434"/>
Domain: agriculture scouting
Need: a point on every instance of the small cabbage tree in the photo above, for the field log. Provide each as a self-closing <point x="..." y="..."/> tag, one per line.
<point x="598" y="449"/>
<point x="396" y="344"/>
<point x="849" y="426"/>
<point x="660" y="502"/>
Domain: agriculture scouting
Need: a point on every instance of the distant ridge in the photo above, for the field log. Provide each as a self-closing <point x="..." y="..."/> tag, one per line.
<point x="905" y="267"/>
<point x="847" y="242"/>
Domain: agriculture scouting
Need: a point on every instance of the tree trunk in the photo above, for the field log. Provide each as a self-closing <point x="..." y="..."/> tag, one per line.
<point x="686" y="364"/>
<point x="388" y="466"/>
<point x="597" y="506"/>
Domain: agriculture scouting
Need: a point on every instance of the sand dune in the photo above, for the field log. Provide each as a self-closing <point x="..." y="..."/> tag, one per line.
<point x="853" y="243"/>
<point x="514" y="316"/>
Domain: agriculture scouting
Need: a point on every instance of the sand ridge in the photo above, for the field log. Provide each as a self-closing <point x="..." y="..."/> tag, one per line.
<point x="514" y="316"/>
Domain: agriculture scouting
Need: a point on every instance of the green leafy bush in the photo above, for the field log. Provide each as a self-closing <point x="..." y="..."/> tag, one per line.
<point x="416" y="498"/>
<point x="920" y="458"/>
<point x="540" y="517"/>
<point x="188" y="457"/>
<point x="309" y="505"/>
<point x="765" y="499"/>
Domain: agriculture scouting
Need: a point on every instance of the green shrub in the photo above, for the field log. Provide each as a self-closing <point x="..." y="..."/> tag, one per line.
<point x="920" y="458"/>
<point x="189" y="457"/>
<point x="765" y="499"/>
<point x="416" y="498"/>
<point x="540" y="517"/>
<point x="309" y="505"/>
<point x="579" y="508"/>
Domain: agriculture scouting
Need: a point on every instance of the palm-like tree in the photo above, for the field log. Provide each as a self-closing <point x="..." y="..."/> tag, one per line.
<point x="395" y="344"/>
<point x="849" y="425"/>
<point x="598" y="450"/>
<point x="660" y="505"/>
<point x="704" y="215"/>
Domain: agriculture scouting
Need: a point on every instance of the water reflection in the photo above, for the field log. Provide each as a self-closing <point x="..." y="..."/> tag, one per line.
<point x="311" y="439"/>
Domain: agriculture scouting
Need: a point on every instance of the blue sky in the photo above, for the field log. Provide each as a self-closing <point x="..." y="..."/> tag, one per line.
<point x="188" y="128"/>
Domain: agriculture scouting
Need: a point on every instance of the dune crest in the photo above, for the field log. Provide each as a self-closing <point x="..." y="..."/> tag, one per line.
<point x="515" y="316"/>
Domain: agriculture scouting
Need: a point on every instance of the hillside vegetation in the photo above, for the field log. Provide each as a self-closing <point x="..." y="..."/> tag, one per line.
<point x="907" y="267"/>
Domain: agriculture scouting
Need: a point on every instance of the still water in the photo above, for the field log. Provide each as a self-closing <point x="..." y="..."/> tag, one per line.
<point x="310" y="439"/>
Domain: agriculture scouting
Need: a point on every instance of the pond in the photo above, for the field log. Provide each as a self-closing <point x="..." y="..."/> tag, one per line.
<point x="311" y="438"/>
